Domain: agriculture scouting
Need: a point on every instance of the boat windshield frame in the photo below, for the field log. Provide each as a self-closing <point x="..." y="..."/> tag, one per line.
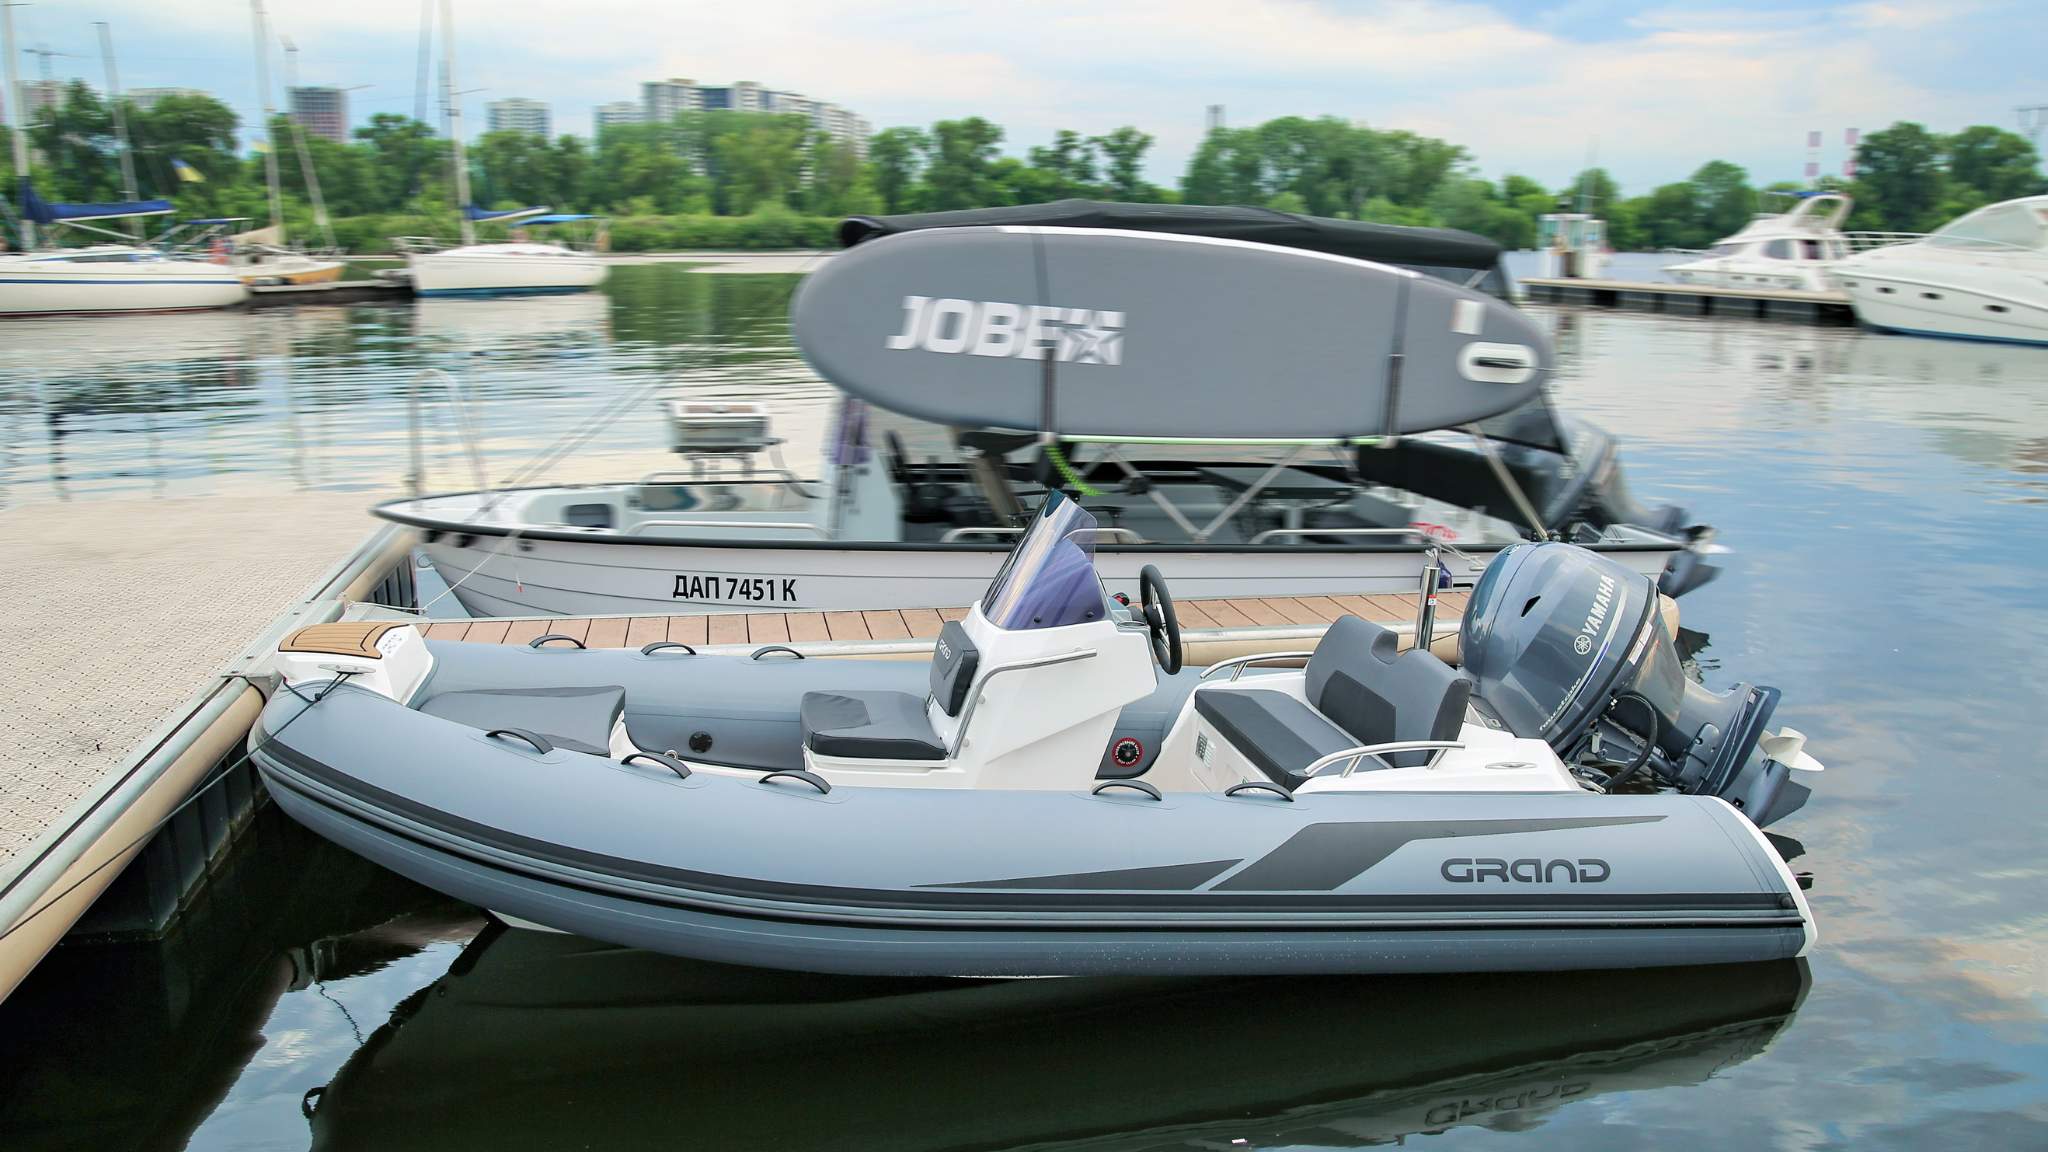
<point x="1049" y="579"/>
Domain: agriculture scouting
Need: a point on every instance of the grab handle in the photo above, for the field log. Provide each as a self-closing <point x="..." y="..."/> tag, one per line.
<point x="772" y="648"/>
<point x="539" y="742"/>
<point x="543" y="641"/>
<point x="1259" y="786"/>
<point x="811" y="778"/>
<point x="658" y="645"/>
<point x="681" y="769"/>
<point x="1134" y="785"/>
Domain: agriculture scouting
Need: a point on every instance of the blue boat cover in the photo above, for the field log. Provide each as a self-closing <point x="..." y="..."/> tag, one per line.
<point x="41" y="211"/>
<point x="559" y="218"/>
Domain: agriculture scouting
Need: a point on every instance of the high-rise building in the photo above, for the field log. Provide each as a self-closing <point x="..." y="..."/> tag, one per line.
<point x="660" y="100"/>
<point x="321" y="111"/>
<point x="617" y="112"/>
<point x="517" y="114"/>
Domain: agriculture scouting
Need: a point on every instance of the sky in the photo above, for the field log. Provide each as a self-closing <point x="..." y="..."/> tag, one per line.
<point x="1649" y="92"/>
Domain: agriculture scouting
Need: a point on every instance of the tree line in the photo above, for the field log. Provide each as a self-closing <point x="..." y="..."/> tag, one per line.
<point x="731" y="178"/>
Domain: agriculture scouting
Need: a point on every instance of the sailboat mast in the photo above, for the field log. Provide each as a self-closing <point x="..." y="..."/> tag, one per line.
<point x="120" y="120"/>
<point x="262" y="34"/>
<point x="455" y="122"/>
<point x="16" y="122"/>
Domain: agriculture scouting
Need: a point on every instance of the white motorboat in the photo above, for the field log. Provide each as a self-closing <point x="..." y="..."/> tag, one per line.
<point x="1983" y="276"/>
<point x="1253" y="457"/>
<point x="472" y="269"/>
<point x="1777" y="250"/>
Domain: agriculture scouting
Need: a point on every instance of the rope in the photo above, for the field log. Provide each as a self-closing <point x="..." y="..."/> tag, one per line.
<point x="1066" y="470"/>
<point x="198" y="790"/>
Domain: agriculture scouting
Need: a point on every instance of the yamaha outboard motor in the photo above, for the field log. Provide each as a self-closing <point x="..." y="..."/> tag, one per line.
<point x="1566" y="646"/>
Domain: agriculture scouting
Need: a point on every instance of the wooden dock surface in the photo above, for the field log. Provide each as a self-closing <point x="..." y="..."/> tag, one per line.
<point x="908" y="623"/>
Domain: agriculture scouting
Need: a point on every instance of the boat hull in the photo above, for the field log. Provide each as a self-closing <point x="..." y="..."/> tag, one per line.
<point x="1774" y="275"/>
<point x="1923" y="308"/>
<point x="492" y="576"/>
<point x="50" y="287"/>
<point x="486" y="270"/>
<point x="974" y="882"/>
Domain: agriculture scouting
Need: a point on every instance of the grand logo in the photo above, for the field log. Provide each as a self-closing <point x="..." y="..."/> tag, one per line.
<point x="1529" y="870"/>
<point x="1000" y="328"/>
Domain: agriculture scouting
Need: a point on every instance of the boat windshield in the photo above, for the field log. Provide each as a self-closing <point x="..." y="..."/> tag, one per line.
<point x="1999" y="226"/>
<point x="1049" y="579"/>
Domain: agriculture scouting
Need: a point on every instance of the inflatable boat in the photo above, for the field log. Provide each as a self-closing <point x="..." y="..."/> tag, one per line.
<point x="1052" y="794"/>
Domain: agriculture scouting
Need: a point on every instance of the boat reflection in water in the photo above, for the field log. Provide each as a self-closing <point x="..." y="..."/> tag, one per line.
<point x="561" y="1042"/>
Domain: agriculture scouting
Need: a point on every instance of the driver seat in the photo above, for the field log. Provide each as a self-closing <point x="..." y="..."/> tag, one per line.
<point x="893" y="725"/>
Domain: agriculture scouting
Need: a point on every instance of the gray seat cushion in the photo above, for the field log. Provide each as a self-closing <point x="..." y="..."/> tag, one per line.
<point x="1362" y="681"/>
<point x="869" y="726"/>
<point x="1277" y="733"/>
<point x="579" y="719"/>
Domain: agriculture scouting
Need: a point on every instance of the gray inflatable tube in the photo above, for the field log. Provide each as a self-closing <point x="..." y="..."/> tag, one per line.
<point x="774" y="873"/>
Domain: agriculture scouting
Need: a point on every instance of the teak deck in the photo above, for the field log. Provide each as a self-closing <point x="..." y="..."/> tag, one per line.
<point x="907" y="623"/>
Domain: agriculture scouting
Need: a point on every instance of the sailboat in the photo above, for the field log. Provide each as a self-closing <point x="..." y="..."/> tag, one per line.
<point x="117" y="277"/>
<point x="473" y="269"/>
<point x="262" y="256"/>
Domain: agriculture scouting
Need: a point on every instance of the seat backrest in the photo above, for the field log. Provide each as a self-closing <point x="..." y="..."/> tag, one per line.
<point x="1361" y="680"/>
<point x="954" y="662"/>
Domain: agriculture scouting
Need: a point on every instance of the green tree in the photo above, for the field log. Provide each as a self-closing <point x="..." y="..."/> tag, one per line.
<point x="1725" y="200"/>
<point x="1067" y="165"/>
<point x="896" y="156"/>
<point x="958" y="156"/>
<point x="406" y="158"/>
<point x="1899" y="180"/>
<point x="1123" y="158"/>
<point x="2000" y="165"/>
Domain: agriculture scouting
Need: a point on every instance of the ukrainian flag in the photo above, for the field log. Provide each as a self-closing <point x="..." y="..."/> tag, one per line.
<point x="186" y="172"/>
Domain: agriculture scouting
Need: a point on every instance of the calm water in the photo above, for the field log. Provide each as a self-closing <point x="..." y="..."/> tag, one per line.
<point x="1886" y="500"/>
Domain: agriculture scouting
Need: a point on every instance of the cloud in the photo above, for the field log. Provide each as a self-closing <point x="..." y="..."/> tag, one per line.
<point x="1661" y="90"/>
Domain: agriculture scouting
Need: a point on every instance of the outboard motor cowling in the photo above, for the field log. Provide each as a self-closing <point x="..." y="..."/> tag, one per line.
<point x="1566" y="646"/>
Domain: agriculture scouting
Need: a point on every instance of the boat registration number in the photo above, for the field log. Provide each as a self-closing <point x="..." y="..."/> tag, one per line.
<point x="736" y="589"/>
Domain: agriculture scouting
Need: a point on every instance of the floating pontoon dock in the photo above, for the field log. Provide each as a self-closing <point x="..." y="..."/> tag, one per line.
<point x="331" y="292"/>
<point x="1694" y="299"/>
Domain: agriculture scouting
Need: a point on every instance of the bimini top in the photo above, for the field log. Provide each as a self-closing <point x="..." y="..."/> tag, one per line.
<point x="1120" y="333"/>
<point x="1423" y="249"/>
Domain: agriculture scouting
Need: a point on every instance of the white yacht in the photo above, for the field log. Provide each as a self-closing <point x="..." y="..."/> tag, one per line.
<point x="473" y="269"/>
<point x="1777" y="250"/>
<point x="1983" y="276"/>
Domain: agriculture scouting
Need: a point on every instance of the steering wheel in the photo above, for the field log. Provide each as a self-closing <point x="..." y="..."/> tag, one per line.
<point x="1157" y="606"/>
